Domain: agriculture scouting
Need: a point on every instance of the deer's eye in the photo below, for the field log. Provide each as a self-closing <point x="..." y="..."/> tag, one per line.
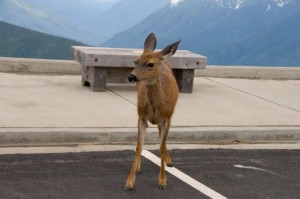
<point x="150" y="65"/>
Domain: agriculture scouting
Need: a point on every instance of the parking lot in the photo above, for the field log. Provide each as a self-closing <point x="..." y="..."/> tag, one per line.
<point x="232" y="173"/>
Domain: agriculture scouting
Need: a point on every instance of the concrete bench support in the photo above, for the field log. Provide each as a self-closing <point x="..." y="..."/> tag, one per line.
<point x="185" y="79"/>
<point x="95" y="77"/>
<point x="107" y="65"/>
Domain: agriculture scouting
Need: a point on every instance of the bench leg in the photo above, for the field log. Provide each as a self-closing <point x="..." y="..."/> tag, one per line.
<point x="84" y="76"/>
<point x="185" y="80"/>
<point x="94" y="77"/>
<point x="84" y="82"/>
<point x="97" y="79"/>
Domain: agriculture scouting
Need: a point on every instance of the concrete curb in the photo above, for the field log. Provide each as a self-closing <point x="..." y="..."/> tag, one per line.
<point x="251" y="72"/>
<point x="39" y="66"/>
<point x="68" y="67"/>
<point x="184" y="135"/>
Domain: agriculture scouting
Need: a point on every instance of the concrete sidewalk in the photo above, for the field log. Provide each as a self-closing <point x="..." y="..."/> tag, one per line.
<point x="57" y="110"/>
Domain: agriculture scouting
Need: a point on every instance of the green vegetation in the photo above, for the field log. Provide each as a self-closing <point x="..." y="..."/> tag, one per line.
<point x="20" y="42"/>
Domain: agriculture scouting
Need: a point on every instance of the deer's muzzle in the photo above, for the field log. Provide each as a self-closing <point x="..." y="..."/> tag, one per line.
<point x="132" y="78"/>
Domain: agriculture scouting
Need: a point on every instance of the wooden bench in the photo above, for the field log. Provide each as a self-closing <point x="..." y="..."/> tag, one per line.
<point x="113" y="65"/>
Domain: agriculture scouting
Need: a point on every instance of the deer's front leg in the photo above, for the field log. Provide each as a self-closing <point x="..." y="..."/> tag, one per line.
<point x="164" y="155"/>
<point x="136" y="165"/>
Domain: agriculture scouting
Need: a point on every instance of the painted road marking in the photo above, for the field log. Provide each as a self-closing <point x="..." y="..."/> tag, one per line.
<point x="185" y="178"/>
<point x="263" y="170"/>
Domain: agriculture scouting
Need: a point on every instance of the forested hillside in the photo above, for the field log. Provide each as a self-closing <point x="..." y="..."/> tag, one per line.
<point x="88" y="21"/>
<point x="20" y="42"/>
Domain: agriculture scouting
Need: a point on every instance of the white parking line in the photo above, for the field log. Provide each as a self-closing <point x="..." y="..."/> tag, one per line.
<point x="185" y="178"/>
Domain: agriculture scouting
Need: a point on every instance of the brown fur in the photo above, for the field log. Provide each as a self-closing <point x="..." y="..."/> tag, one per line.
<point x="157" y="97"/>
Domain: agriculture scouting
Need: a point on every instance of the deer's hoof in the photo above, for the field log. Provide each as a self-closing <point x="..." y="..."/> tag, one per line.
<point x="170" y="165"/>
<point x="138" y="172"/>
<point x="128" y="188"/>
<point x="162" y="187"/>
<point x="162" y="184"/>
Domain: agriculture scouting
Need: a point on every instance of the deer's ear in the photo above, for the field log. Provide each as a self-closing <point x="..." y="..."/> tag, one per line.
<point x="170" y="49"/>
<point x="150" y="43"/>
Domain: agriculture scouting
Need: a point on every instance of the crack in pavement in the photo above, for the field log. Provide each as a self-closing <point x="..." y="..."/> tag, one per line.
<point x="248" y="93"/>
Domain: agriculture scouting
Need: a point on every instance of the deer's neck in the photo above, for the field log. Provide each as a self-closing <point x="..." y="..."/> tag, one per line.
<point x="154" y="92"/>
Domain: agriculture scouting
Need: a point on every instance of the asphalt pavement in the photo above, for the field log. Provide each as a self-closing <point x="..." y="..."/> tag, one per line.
<point x="233" y="173"/>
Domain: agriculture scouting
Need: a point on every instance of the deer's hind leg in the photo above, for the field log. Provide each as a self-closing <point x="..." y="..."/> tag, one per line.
<point x="136" y="165"/>
<point x="167" y="158"/>
<point x="164" y="155"/>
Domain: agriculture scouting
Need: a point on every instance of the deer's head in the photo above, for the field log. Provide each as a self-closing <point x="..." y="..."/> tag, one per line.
<point x="147" y="65"/>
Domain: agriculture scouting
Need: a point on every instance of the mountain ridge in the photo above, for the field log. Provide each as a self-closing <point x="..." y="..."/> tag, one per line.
<point x="90" y="22"/>
<point x="21" y="42"/>
<point x="217" y="31"/>
<point x="228" y="32"/>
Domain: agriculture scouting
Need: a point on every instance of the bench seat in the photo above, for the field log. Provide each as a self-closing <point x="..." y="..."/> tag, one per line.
<point x="113" y="65"/>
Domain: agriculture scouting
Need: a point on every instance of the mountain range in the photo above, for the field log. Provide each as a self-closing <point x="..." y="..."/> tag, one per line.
<point x="228" y="32"/>
<point x="87" y="21"/>
<point x="231" y="32"/>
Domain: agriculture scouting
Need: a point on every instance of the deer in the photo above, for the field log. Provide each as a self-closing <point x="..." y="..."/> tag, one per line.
<point x="157" y="97"/>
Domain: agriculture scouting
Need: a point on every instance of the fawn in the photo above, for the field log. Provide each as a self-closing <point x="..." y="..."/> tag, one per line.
<point x="157" y="97"/>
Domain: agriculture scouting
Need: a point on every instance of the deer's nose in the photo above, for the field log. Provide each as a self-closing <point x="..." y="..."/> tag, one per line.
<point x="132" y="78"/>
